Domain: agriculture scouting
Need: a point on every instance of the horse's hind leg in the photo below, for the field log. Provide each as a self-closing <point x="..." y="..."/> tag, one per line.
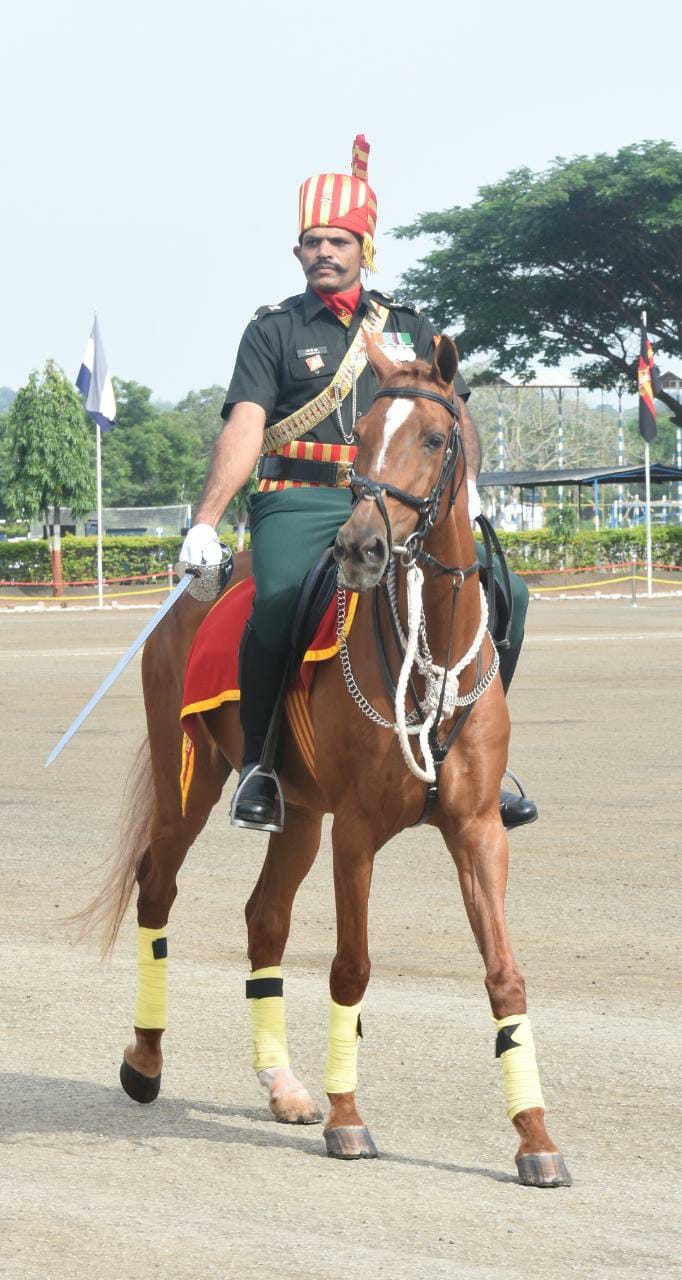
<point x="268" y="917"/>
<point x="172" y="835"/>
<point x="481" y="854"/>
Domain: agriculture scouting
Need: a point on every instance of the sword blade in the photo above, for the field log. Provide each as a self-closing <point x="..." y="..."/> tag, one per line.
<point x="121" y="665"/>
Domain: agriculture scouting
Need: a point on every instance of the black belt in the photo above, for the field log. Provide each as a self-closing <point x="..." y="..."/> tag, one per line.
<point x="304" y="469"/>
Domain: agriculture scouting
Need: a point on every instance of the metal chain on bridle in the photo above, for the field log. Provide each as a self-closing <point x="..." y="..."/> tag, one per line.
<point x="441" y="693"/>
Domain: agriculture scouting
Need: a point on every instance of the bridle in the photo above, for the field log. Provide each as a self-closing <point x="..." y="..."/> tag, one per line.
<point x="411" y="552"/>
<point x="428" y="506"/>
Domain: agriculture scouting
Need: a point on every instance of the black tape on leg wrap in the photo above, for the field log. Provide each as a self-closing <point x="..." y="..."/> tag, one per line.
<point x="160" y="948"/>
<point x="504" y="1041"/>
<point x="260" y="988"/>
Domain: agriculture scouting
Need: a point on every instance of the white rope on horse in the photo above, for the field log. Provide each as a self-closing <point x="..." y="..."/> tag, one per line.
<point x="417" y="652"/>
<point x="433" y="675"/>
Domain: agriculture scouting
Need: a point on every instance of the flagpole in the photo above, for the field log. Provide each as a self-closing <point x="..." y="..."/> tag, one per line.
<point x="647" y="502"/>
<point x="647" y="481"/>
<point x="100" y="581"/>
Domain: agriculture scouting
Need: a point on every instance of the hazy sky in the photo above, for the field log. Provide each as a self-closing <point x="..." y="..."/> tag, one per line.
<point x="152" y="150"/>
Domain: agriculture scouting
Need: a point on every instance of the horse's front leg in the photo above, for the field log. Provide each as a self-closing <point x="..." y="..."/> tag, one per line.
<point x="354" y="844"/>
<point x="480" y="851"/>
<point x="268" y="917"/>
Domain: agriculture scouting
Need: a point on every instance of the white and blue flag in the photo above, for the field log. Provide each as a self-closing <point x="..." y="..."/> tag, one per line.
<point x="94" y="383"/>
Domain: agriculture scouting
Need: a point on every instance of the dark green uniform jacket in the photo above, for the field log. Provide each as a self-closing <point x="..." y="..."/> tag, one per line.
<point x="290" y="352"/>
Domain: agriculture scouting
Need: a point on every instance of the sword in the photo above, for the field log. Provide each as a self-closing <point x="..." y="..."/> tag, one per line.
<point x="190" y="576"/>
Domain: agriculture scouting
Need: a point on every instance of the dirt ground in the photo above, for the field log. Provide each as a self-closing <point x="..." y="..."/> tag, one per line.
<point x="203" y="1183"/>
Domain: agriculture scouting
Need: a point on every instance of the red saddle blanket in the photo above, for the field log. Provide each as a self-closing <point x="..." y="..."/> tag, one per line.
<point x="211" y="673"/>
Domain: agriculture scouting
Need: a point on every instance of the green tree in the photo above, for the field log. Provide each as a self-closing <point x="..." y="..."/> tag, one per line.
<point x="560" y="264"/>
<point x="49" y="451"/>
<point x="202" y="409"/>
<point x="4" y="465"/>
<point x="152" y="456"/>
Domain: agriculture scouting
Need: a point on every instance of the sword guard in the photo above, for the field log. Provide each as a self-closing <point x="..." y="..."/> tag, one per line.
<point x="209" y="579"/>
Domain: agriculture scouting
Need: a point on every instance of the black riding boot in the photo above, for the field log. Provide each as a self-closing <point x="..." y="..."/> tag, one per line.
<point x="515" y="810"/>
<point x="256" y="802"/>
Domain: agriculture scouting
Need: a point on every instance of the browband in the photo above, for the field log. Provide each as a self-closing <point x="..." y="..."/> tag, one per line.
<point x="416" y="393"/>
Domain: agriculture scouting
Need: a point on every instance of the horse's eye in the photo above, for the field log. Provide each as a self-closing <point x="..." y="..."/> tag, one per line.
<point x="433" y="443"/>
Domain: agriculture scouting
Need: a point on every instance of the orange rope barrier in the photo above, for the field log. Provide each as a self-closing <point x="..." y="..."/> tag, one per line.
<point x="86" y="582"/>
<point x="599" y="568"/>
<point x="111" y="595"/>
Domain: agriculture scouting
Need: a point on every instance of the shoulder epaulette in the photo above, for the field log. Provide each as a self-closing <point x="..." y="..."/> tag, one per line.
<point x="396" y="304"/>
<point x="273" y="308"/>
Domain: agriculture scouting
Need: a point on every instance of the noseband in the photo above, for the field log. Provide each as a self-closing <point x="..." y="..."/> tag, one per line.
<point x="428" y="506"/>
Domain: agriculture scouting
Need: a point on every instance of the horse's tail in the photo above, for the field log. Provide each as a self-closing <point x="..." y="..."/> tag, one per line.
<point x="107" y="910"/>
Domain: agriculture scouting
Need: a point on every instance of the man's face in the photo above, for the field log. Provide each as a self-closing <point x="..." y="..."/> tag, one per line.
<point x="331" y="258"/>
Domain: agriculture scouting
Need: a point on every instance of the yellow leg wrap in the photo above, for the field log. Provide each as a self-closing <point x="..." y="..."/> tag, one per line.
<point x="516" y="1049"/>
<point x="268" y="1026"/>
<point x="151" y="1006"/>
<point x="341" y="1073"/>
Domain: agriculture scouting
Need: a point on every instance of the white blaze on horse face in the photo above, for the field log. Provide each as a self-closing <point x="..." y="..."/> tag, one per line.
<point x="398" y="413"/>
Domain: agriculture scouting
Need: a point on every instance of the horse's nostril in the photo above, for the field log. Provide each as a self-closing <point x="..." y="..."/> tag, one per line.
<point x="375" y="550"/>
<point x="340" y="549"/>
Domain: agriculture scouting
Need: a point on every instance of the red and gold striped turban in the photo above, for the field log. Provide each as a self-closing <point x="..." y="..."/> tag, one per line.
<point x="342" y="200"/>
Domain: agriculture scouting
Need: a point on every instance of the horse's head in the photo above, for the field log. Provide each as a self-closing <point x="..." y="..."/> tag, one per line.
<point x="408" y="445"/>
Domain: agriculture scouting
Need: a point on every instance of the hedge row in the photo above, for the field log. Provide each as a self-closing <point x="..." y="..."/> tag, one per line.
<point x="122" y="557"/>
<point x="540" y="549"/>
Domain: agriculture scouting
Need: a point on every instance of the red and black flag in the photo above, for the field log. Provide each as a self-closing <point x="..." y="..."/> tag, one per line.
<point x="648" y="383"/>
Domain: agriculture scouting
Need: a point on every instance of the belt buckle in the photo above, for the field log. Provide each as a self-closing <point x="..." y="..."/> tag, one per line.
<point x="343" y="470"/>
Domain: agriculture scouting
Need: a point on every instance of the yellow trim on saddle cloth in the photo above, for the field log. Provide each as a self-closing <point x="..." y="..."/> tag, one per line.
<point x="310" y="415"/>
<point x="319" y="655"/>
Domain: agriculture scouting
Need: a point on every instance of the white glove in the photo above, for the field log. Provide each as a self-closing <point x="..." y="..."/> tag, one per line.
<point x="201" y="546"/>
<point x="474" y="500"/>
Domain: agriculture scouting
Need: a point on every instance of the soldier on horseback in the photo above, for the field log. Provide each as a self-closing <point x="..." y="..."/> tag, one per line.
<point x="301" y="381"/>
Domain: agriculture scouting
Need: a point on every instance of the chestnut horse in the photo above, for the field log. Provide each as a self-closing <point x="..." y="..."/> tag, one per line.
<point x="410" y="510"/>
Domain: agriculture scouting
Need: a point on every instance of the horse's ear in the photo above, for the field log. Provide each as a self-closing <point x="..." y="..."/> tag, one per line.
<point x="380" y="362"/>
<point x="445" y="360"/>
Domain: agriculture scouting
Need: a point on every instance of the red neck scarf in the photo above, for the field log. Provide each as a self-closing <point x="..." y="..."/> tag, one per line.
<point x="343" y="305"/>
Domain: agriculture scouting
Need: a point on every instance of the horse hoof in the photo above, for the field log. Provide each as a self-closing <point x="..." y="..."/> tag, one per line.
<point x="295" y="1115"/>
<point x="544" y="1169"/>
<point x="352" y="1142"/>
<point x="138" y="1087"/>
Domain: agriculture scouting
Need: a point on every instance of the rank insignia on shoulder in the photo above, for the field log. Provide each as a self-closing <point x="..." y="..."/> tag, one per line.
<point x="274" y="306"/>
